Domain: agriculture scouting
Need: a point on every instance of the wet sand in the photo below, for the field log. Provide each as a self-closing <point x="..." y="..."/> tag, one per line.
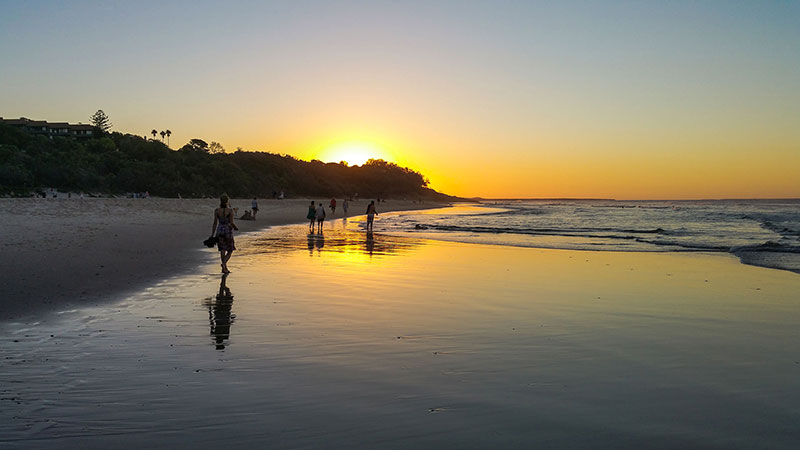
<point x="356" y="340"/>
<point x="68" y="252"/>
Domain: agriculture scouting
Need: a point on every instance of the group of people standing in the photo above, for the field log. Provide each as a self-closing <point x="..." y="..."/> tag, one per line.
<point x="224" y="225"/>
<point x="317" y="214"/>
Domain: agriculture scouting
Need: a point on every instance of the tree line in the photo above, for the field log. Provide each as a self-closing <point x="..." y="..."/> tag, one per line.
<point x="117" y="163"/>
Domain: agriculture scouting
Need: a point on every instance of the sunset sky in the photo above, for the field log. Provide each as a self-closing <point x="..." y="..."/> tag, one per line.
<point x="494" y="99"/>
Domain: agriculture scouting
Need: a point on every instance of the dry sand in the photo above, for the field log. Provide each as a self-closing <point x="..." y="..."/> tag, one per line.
<point x="68" y="252"/>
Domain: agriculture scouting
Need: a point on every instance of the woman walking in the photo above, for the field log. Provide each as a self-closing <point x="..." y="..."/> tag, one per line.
<point x="223" y="228"/>
<point x="312" y="214"/>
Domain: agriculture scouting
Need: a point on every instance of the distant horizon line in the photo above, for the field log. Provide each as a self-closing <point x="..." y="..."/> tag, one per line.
<point x="628" y="200"/>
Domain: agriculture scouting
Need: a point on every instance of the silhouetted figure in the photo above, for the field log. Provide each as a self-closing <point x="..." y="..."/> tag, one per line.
<point x="332" y="205"/>
<point x="219" y="314"/>
<point x="312" y="214"/>
<point x="223" y="229"/>
<point x="320" y="217"/>
<point x="371" y="213"/>
<point x="254" y="207"/>
<point x="345" y="206"/>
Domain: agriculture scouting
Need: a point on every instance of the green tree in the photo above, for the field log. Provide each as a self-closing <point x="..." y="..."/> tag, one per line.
<point x="101" y="121"/>
<point x="216" y="147"/>
<point x="196" y="144"/>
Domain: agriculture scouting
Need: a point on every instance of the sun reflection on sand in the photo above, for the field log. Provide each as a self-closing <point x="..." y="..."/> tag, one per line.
<point x="345" y="239"/>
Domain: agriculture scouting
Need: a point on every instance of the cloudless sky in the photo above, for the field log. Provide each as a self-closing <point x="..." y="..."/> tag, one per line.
<point x="496" y="98"/>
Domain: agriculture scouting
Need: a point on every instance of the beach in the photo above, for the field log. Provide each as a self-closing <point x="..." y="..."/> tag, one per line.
<point x="67" y="252"/>
<point x="586" y="231"/>
<point x="352" y="339"/>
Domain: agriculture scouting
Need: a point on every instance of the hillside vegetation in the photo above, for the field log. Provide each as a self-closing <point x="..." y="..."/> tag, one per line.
<point x="116" y="163"/>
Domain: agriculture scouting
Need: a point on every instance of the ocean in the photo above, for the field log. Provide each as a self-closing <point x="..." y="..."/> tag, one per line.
<point x="763" y="233"/>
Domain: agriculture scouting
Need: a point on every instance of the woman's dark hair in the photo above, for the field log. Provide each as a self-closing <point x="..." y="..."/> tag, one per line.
<point x="223" y="201"/>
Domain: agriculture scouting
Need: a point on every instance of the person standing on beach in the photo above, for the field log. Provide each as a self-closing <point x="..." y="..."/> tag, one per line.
<point x="345" y="205"/>
<point x="333" y="206"/>
<point x="371" y="213"/>
<point x="223" y="229"/>
<point x="320" y="217"/>
<point x="254" y="206"/>
<point x="312" y="214"/>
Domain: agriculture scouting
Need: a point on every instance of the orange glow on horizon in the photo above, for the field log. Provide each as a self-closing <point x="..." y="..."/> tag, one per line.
<point x="354" y="153"/>
<point x="600" y="170"/>
<point x="530" y="100"/>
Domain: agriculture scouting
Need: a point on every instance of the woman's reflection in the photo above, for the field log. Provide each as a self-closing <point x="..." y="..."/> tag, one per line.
<point x="219" y="314"/>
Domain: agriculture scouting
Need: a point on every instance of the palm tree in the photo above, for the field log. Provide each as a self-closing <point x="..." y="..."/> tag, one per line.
<point x="169" y="133"/>
<point x="163" y="133"/>
<point x="154" y="133"/>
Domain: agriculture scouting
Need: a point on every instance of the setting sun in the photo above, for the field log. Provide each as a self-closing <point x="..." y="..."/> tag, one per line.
<point x="353" y="153"/>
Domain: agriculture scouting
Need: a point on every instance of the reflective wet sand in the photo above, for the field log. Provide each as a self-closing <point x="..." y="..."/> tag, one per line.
<point x="349" y="339"/>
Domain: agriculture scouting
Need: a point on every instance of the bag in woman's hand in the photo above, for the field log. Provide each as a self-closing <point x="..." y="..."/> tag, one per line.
<point x="210" y="242"/>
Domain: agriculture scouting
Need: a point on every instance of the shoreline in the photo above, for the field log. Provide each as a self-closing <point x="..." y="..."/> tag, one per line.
<point x="66" y="253"/>
<point x="746" y="257"/>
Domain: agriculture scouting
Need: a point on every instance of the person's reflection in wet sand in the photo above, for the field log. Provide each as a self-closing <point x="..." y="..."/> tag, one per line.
<point x="311" y="244"/>
<point x="219" y="314"/>
<point x="370" y="243"/>
<point x="320" y="242"/>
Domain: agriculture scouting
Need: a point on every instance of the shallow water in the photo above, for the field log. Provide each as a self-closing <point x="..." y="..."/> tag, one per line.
<point x="357" y="340"/>
<point x="763" y="233"/>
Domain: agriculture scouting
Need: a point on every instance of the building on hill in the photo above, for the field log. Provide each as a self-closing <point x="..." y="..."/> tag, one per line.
<point x="50" y="129"/>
